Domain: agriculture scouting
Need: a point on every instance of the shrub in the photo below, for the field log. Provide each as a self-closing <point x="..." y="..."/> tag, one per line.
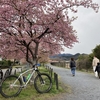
<point x="5" y="63"/>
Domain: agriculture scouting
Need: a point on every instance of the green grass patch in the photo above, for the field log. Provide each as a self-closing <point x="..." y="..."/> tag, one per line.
<point x="29" y="93"/>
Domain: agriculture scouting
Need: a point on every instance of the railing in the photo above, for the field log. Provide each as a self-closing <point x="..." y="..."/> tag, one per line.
<point x="64" y="64"/>
<point x="51" y="72"/>
<point x="8" y="71"/>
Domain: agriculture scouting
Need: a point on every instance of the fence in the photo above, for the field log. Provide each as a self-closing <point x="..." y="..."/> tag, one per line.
<point x="7" y="72"/>
<point x="51" y="72"/>
<point x="55" y="75"/>
<point x="64" y="64"/>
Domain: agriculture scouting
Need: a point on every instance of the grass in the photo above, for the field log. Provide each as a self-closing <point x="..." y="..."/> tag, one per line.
<point x="29" y="93"/>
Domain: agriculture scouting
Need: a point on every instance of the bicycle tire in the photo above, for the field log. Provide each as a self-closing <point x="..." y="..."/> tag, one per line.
<point x="7" y="90"/>
<point x="43" y="83"/>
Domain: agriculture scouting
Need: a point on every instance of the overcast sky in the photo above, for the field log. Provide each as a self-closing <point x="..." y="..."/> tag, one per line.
<point x="87" y="26"/>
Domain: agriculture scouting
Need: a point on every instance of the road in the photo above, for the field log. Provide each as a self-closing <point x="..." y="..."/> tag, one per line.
<point x="84" y="86"/>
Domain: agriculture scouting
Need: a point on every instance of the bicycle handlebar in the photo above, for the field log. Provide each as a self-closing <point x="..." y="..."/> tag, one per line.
<point x="36" y="65"/>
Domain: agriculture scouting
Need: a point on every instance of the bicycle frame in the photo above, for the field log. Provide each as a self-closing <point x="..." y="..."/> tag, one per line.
<point x="12" y="85"/>
<point x="32" y="70"/>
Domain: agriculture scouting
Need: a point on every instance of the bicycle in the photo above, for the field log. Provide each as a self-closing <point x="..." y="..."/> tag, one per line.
<point x="12" y="85"/>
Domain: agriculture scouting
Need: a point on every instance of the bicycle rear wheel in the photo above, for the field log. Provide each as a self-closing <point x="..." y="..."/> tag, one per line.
<point x="43" y="83"/>
<point x="7" y="89"/>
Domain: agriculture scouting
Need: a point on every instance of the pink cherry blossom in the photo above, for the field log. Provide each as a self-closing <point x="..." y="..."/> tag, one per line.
<point x="29" y="26"/>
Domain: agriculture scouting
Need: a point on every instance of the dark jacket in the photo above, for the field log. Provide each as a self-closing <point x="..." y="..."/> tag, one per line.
<point x="97" y="67"/>
<point x="72" y="64"/>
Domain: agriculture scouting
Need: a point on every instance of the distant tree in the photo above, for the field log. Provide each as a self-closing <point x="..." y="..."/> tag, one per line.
<point x="82" y="56"/>
<point x="96" y="51"/>
<point x="29" y="25"/>
<point x="91" y="56"/>
<point x="84" y="62"/>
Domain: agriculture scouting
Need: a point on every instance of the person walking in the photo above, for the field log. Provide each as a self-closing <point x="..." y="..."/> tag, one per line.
<point x="94" y="64"/>
<point x="72" y="66"/>
<point x="98" y="69"/>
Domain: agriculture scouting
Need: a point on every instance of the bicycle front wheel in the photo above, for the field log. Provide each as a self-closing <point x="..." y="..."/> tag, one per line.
<point x="8" y="88"/>
<point x="43" y="83"/>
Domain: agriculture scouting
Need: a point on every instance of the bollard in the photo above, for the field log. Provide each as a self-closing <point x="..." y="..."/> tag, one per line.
<point x="56" y="80"/>
<point x="15" y="72"/>
<point x="10" y="70"/>
<point x="51" y="71"/>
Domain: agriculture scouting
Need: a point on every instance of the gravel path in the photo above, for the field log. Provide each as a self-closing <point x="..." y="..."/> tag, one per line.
<point x="84" y="86"/>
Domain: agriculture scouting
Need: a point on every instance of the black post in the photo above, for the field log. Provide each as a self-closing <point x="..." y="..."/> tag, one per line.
<point x="51" y="72"/>
<point x="1" y="74"/>
<point x="56" y="80"/>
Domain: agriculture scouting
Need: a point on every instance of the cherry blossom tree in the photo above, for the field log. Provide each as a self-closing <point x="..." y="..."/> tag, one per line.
<point x="28" y="27"/>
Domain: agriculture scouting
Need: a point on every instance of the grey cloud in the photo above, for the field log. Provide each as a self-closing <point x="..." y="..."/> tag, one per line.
<point x="88" y="31"/>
